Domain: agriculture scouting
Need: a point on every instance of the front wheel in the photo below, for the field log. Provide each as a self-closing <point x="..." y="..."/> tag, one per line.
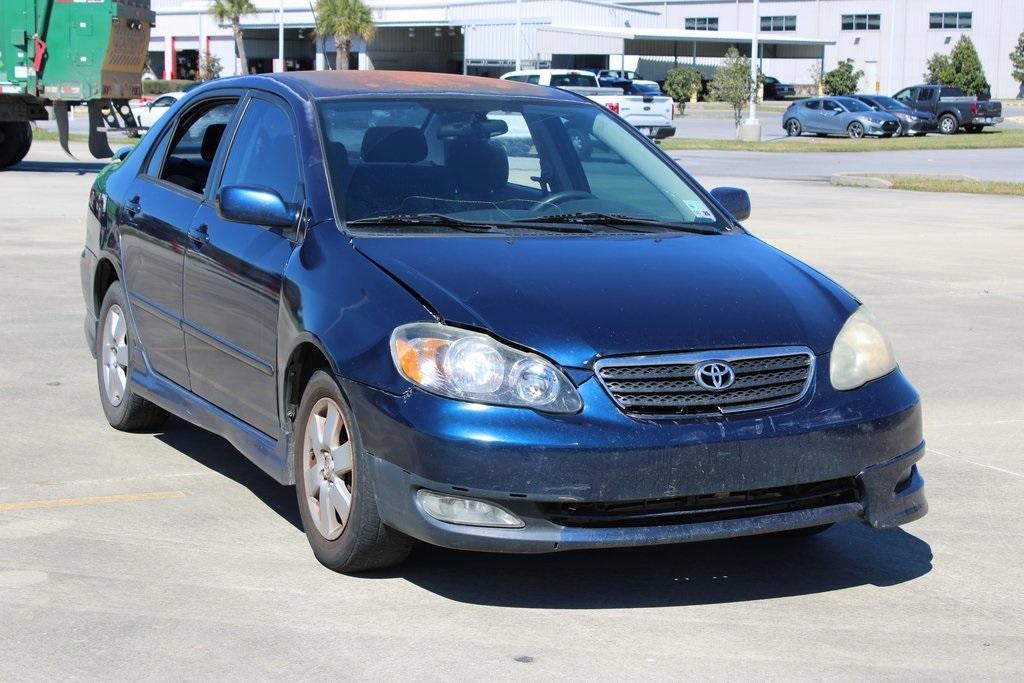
<point x="793" y="128"/>
<point x="335" y="488"/>
<point x="15" y="141"/>
<point x="855" y="130"/>
<point x="948" y="125"/>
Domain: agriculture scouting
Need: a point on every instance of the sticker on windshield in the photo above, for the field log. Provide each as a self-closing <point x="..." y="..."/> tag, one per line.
<point x="699" y="209"/>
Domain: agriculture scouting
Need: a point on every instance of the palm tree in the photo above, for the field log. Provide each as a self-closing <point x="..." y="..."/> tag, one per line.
<point x="345" y="20"/>
<point x="232" y="11"/>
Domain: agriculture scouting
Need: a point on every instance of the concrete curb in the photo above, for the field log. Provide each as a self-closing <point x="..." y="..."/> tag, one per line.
<point x="874" y="180"/>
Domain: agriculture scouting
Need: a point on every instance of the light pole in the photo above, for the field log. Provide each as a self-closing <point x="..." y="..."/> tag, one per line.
<point x="280" y="37"/>
<point x="751" y="128"/>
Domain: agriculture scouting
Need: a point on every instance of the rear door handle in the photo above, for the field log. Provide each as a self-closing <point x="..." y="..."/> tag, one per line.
<point x="199" y="235"/>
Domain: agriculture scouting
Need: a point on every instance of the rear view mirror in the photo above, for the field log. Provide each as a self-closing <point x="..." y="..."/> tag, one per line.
<point x="257" y="205"/>
<point x="735" y="200"/>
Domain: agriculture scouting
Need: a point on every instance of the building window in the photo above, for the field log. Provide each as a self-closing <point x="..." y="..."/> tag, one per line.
<point x="862" y="22"/>
<point x="949" y="20"/>
<point x="701" y="23"/>
<point x="778" y="23"/>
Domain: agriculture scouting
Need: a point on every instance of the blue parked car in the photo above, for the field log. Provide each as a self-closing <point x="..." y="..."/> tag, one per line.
<point x="845" y="116"/>
<point x="434" y="335"/>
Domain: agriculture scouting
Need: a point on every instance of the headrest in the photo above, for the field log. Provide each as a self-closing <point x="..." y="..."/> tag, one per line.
<point x="395" y="144"/>
<point x="211" y="138"/>
<point x="477" y="165"/>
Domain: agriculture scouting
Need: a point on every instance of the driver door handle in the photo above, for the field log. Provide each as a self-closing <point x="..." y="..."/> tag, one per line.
<point x="199" y="235"/>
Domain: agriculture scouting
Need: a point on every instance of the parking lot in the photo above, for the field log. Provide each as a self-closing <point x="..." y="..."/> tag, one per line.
<point x="167" y="555"/>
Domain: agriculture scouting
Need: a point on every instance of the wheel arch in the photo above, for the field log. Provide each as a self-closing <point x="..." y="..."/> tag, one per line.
<point x="105" y="275"/>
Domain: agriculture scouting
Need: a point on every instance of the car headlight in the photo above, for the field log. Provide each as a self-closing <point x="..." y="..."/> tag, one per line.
<point x="470" y="366"/>
<point x="861" y="353"/>
<point x="905" y="117"/>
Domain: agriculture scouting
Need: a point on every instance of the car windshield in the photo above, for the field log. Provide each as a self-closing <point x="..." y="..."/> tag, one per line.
<point x="890" y="103"/>
<point x="452" y="163"/>
<point x="853" y="105"/>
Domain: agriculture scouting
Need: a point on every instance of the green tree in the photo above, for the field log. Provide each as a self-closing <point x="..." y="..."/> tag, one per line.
<point x="345" y="20"/>
<point x="842" y="80"/>
<point x="938" y="70"/>
<point x="232" y="11"/>
<point x="961" y="69"/>
<point x="1017" y="61"/>
<point x="732" y="83"/>
<point x="682" y="84"/>
<point x="209" y="67"/>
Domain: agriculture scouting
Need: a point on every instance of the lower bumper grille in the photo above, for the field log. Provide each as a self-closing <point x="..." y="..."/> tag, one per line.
<point x="672" y="386"/>
<point x="704" y="508"/>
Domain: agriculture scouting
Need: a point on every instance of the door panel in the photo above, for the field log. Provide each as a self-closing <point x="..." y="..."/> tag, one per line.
<point x="234" y="274"/>
<point x="153" y="226"/>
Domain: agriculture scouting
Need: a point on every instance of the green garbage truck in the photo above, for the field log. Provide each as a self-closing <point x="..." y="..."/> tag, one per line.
<point x="64" y="53"/>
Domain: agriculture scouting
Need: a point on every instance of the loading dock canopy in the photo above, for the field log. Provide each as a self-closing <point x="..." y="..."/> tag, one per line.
<point x="668" y="42"/>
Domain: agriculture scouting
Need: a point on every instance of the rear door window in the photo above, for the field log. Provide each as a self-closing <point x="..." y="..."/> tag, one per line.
<point x="813" y="104"/>
<point x="194" y="145"/>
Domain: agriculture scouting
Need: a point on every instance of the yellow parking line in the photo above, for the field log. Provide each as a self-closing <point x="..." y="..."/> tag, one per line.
<point x="90" y="500"/>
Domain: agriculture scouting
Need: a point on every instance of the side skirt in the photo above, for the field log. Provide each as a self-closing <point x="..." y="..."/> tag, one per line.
<point x="269" y="454"/>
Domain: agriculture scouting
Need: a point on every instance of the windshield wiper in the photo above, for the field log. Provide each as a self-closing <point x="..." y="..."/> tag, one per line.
<point x="425" y="219"/>
<point x="616" y="220"/>
<point x="446" y="221"/>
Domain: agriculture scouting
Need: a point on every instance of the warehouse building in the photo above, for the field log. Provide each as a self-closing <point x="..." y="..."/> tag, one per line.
<point x="889" y="40"/>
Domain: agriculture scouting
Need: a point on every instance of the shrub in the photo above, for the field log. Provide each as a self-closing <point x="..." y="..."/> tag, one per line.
<point x="842" y="80"/>
<point x="682" y="84"/>
<point x="960" y="69"/>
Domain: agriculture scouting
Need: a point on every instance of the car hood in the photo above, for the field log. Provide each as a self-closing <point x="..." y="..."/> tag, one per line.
<point x="578" y="298"/>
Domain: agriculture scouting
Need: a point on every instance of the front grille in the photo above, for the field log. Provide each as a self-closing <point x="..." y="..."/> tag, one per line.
<point x="667" y="385"/>
<point x="890" y="125"/>
<point x="704" y="508"/>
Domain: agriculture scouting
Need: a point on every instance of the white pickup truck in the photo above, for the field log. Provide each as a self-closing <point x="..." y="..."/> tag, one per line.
<point x="651" y="114"/>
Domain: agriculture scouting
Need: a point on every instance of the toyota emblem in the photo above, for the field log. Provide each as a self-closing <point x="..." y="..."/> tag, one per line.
<point x="714" y="375"/>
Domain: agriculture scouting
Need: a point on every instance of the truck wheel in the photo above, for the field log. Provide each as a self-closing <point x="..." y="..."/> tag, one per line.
<point x="335" y="488"/>
<point x="15" y="141"/>
<point x="115" y="339"/>
<point x="948" y="125"/>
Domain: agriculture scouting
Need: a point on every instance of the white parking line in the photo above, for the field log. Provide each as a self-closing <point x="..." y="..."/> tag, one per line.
<point x="979" y="464"/>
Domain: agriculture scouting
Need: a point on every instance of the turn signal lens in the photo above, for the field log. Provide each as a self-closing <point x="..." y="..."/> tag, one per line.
<point x="459" y="510"/>
<point x="470" y="366"/>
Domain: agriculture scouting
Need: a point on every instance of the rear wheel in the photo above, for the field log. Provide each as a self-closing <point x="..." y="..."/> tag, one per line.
<point x="948" y="125"/>
<point x="793" y="128"/>
<point x="335" y="488"/>
<point x="15" y="141"/>
<point x="855" y="130"/>
<point x="115" y="340"/>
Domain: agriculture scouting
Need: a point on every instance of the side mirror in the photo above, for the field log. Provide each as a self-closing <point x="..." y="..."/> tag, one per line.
<point x="122" y="153"/>
<point x="735" y="201"/>
<point x="257" y="205"/>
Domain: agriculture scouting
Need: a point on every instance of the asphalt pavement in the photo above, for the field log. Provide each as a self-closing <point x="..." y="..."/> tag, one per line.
<point x="168" y="556"/>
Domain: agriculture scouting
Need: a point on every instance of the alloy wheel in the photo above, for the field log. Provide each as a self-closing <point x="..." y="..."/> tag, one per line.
<point x="115" y="355"/>
<point x="856" y="130"/>
<point x="793" y="129"/>
<point x="327" y="468"/>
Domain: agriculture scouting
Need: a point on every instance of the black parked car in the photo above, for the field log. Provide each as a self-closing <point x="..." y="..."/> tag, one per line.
<point x="912" y="121"/>
<point x="774" y="90"/>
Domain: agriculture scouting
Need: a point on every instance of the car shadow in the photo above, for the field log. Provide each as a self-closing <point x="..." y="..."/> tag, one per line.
<point x="216" y="454"/>
<point x="735" y="570"/>
<point x="69" y="166"/>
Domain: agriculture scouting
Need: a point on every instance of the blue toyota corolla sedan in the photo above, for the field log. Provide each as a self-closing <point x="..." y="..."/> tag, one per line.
<point x="435" y="334"/>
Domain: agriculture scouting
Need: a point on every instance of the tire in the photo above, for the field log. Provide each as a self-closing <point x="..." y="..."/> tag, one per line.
<point x="793" y="128"/>
<point x="329" y="462"/>
<point x="115" y="343"/>
<point x="802" y="532"/>
<point x="855" y="130"/>
<point x="15" y="141"/>
<point x="948" y="125"/>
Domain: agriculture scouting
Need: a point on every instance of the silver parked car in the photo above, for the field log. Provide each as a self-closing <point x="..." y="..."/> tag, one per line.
<point x="838" y="116"/>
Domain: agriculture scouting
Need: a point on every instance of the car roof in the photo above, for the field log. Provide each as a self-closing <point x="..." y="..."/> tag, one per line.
<point x="323" y="84"/>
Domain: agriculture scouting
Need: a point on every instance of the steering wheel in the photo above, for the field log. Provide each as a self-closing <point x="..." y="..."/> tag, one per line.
<point x="558" y="197"/>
